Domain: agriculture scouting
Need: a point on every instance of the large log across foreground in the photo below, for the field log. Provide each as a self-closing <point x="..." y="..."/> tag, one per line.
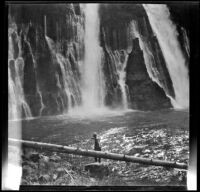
<point x="92" y="153"/>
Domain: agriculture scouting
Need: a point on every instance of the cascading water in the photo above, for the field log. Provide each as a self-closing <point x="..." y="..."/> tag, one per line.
<point x="41" y="100"/>
<point x="119" y="60"/>
<point x="122" y="76"/>
<point x="186" y="41"/>
<point x="148" y="57"/>
<point x="85" y="76"/>
<point x="92" y="75"/>
<point x="165" y="31"/>
<point x="71" y="85"/>
<point x="16" y="99"/>
<point x="121" y="65"/>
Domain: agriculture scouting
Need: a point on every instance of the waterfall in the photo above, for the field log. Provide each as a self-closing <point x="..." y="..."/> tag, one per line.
<point x="166" y="33"/>
<point x="41" y="100"/>
<point x="186" y="41"/>
<point x="122" y="77"/>
<point x="69" y="79"/>
<point x="120" y="61"/>
<point x="148" y="58"/>
<point x="92" y="75"/>
<point x="16" y="99"/>
<point x="83" y="74"/>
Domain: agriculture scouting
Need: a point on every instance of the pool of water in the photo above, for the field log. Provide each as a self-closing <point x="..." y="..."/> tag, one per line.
<point x="136" y="133"/>
<point x="69" y="129"/>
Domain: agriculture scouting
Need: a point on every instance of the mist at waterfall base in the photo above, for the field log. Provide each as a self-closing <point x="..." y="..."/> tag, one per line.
<point x="92" y="89"/>
<point x="93" y="84"/>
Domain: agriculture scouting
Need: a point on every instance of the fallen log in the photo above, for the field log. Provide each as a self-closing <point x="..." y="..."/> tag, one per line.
<point x="100" y="154"/>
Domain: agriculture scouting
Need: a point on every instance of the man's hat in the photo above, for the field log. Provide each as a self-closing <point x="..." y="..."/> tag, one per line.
<point x="94" y="135"/>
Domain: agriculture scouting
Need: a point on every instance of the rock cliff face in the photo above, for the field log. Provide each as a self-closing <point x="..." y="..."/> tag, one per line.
<point x="144" y="93"/>
<point x="119" y="25"/>
<point x="183" y="15"/>
<point x="46" y="52"/>
<point x="49" y="40"/>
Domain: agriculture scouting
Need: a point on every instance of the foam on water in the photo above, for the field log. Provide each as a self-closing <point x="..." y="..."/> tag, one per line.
<point x="79" y="112"/>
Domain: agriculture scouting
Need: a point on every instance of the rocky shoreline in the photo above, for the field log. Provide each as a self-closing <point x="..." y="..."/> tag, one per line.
<point x="49" y="168"/>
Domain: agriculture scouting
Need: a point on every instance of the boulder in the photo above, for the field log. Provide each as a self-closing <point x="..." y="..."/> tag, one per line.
<point x="45" y="158"/>
<point x="97" y="169"/>
<point x="34" y="157"/>
<point x="24" y="182"/>
<point x="137" y="149"/>
<point x="146" y="156"/>
<point x="44" y="178"/>
<point x="33" y="165"/>
<point x="60" y="172"/>
<point x="55" y="158"/>
<point x="26" y="171"/>
<point x="147" y="151"/>
<point x="24" y="163"/>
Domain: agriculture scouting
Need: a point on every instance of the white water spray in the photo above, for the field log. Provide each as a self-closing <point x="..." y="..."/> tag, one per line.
<point x="16" y="98"/>
<point x="165" y="30"/>
<point x="121" y="65"/>
<point x="71" y="85"/>
<point x="12" y="169"/>
<point x="92" y="76"/>
<point x="122" y="77"/>
<point x="186" y="41"/>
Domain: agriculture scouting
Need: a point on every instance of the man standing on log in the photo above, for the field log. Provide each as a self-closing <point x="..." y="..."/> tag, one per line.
<point x="96" y="146"/>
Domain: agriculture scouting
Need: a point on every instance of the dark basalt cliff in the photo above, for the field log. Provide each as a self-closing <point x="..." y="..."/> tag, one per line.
<point x="43" y="80"/>
<point x="116" y="36"/>
<point x="185" y="16"/>
<point x="47" y="45"/>
<point x="144" y="93"/>
<point x="113" y="94"/>
<point x="114" y="23"/>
